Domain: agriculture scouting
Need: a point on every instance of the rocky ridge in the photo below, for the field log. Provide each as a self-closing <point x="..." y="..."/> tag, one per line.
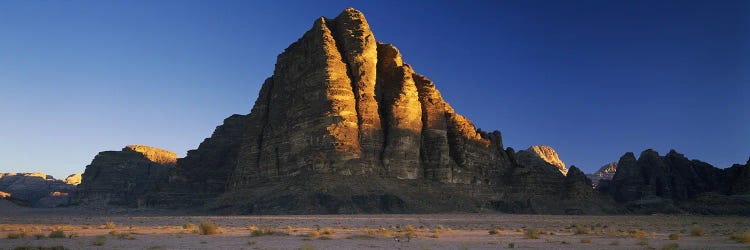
<point x="672" y="183"/>
<point x="605" y="172"/>
<point x="542" y="156"/>
<point x="126" y="178"/>
<point x="35" y="189"/>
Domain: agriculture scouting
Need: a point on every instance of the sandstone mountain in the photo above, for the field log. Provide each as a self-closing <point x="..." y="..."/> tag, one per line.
<point x="345" y="125"/>
<point x="673" y="183"/>
<point x="127" y="177"/>
<point x="35" y="189"/>
<point x="542" y="156"/>
<point x="605" y="172"/>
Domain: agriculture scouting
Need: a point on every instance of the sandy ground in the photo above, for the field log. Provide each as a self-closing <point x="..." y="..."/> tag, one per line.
<point x="154" y="230"/>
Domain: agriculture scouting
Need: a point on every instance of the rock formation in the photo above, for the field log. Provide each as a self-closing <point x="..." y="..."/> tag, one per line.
<point x="35" y="189"/>
<point x="542" y="156"/>
<point x="605" y="173"/>
<point x="128" y="177"/>
<point x="345" y="125"/>
<point x="73" y="179"/>
<point x="673" y="183"/>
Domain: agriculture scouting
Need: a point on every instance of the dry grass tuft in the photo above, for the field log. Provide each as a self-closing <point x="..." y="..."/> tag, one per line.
<point x="57" y="234"/>
<point x="532" y="233"/>
<point x="674" y="236"/>
<point x="579" y="229"/>
<point x="266" y="232"/>
<point x="494" y="231"/>
<point x="743" y="237"/>
<point x="697" y="230"/>
<point x="208" y="228"/>
<point x="109" y="225"/>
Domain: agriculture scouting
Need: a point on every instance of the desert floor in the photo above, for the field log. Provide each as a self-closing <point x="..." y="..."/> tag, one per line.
<point x="122" y="229"/>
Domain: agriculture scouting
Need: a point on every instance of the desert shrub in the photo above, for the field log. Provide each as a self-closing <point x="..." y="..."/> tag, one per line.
<point x="57" y="234"/>
<point x="670" y="246"/>
<point x="208" y="228"/>
<point x="189" y="226"/>
<point x="109" y="225"/>
<point x="494" y="231"/>
<point x="582" y="229"/>
<point x="532" y="233"/>
<point x="743" y="237"/>
<point x="126" y="236"/>
<point x="329" y="231"/>
<point x="16" y="235"/>
<point x="638" y="233"/>
<point x="674" y="236"/>
<point x="113" y="233"/>
<point x="697" y="230"/>
<point x="313" y="234"/>
<point x="99" y="240"/>
<point x="586" y="240"/>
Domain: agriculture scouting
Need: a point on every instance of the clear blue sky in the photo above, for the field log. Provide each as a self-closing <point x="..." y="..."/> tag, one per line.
<point x="593" y="79"/>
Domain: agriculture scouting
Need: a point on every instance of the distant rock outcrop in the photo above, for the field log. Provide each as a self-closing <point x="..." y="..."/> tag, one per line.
<point x="73" y="179"/>
<point x="605" y="173"/>
<point x="127" y="178"/>
<point x="35" y="189"/>
<point x="541" y="156"/>
<point x="673" y="183"/>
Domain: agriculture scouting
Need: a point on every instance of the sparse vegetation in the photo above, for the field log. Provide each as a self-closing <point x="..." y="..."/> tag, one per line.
<point x="189" y="226"/>
<point x="743" y="237"/>
<point x="579" y="229"/>
<point x="638" y="233"/>
<point x="266" y="232"/>
<point x="99" y="240"/>
<point x="697" y="230"/>
<point x="674" y="236"/>
<point x="57" y="234"/>
<point x="208" y="228"/>
<point x="16" y="235"/>
<point x="670" y="246"/>
<point x="109" y="225"/>
<point x="532" y="233"/>
<point x="494" y="231"/>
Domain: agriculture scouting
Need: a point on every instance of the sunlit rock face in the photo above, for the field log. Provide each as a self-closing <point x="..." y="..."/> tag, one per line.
<point x="542" y="156"/>
<point x="125" y="177"/>
<point x="344" y="124"/>
<point x="73" y="179"/>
